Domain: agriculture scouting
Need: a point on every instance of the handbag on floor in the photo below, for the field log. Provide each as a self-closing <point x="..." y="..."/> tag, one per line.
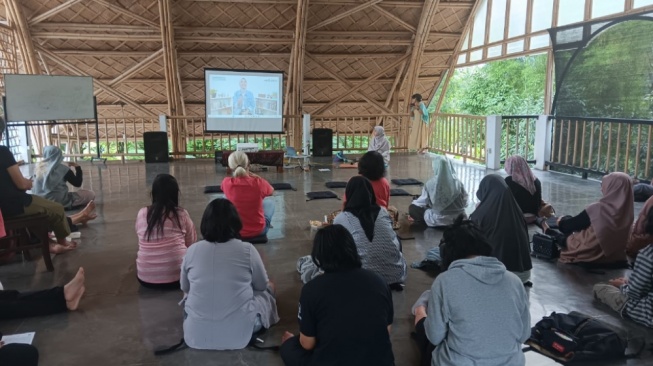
<point x="545" y="246"/>
<point x="576" y="337"/>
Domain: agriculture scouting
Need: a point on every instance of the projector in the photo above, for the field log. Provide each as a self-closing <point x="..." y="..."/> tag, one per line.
<point x="247" y="147"/>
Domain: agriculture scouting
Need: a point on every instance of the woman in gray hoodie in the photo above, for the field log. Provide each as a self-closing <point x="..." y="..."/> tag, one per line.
<point x="476" y="312"/>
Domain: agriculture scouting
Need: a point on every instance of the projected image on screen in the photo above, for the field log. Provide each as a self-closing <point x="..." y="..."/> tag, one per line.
<point x="243" y="101"/>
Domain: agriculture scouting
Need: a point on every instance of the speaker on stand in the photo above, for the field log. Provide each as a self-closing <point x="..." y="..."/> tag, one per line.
<point x="155" y="144"/>
<point x="322" y="142"/>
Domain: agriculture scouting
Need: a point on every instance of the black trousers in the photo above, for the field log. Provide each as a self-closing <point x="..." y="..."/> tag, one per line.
<point x="19" y="355"/>
<point x="423" y="343"/>
<point x="160" y="286"/>
<point x="417" y="213"/>
<point x="16" y="305"/>
<point x="293" y="354"/>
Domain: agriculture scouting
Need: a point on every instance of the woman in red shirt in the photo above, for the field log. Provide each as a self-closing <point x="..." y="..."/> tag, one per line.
<point x="372" y="166"/>
<point x="247" y="191"/>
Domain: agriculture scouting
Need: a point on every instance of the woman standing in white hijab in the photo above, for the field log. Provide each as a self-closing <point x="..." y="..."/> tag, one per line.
<point x="52" y="177"/>
<point x="380" y="144"/>
<point x="443" y="196"/>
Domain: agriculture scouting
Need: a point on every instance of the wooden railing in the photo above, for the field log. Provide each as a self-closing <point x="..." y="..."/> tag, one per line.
<point x="518" y="137"/>
<point x="352" y="133"/>
<point x="602" y="145"/>
<point x="459" y="135"/>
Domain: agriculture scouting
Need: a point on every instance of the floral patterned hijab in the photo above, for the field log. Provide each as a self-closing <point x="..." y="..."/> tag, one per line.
<point x="517" y="167"/>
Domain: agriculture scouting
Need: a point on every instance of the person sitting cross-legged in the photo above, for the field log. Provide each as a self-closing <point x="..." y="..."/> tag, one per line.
<point x="346" y="314"/>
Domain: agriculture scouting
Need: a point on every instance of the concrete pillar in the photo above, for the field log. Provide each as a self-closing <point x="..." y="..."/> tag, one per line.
<point x="543" y="134"/>
<point x="493" y="142"/>
<point x="306" y="135"/>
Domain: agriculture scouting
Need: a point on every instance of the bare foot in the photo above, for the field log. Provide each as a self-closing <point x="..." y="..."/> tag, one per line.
<point x="56" y="248"/>
<point x="286" y="336"/>
<point x="74" y="290"/>
<point x="420" y="313"/>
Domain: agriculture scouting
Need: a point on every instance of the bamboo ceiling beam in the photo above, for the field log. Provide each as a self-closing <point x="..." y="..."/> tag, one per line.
<point x="417" y="50"/>
<point x="395" y="84"/>
<point x="97" y="36"/>
<point x="174" y="92"/>
<point x="106" y="88"/>
<point x="394" y="18"/>
<point x="337" y="77"/>
<point x="120" y="10"/>
<point x="344" y="14"/>
<point x="306" y="81"/>
<point x="367" y="81"/>
<point x="394" y="4"/>
<point x="49" y="13"/>
<point x="85" y="27"/>
<point x="136" y="68"/>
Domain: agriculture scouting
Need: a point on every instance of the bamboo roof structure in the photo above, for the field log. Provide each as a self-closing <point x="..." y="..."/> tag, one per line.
<point x="340" y="57"/>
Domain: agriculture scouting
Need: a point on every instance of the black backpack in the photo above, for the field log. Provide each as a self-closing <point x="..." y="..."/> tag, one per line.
<point x="576" y="337"/>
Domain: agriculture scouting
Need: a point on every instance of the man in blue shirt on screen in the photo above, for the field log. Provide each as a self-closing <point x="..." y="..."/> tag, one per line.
<point x="243" y="100"/>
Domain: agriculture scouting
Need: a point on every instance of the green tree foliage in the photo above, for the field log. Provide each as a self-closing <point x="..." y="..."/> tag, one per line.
<point x="514" y="86"/>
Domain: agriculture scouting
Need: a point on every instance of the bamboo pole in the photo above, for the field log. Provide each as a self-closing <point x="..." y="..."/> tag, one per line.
<point x="49" y="13"/>
<point x="344" y="14"/>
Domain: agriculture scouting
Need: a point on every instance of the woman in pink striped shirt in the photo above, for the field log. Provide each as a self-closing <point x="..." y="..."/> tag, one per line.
<point x="164" y="232"/>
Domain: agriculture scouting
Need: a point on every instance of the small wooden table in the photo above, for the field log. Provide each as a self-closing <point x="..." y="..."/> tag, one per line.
<point x="267" y="157"/>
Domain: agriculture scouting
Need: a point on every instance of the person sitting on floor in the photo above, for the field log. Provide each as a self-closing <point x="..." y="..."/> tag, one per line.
<point x="380" y="143"/>
<point x="487" y="323"/>
<point x="345" y="315"/>
<point x="443" y="197"/>
<point x="502" y="221"/>
<point x="641" y="191"/>
<point x="632" y="297"/>
<point x="640" y="237"/>
<point x="248" y="192"/>
<point x="15" y="202"/>
<point x="526" y="189"/>
<point x="600" y="233"/>
<point x="371" y="167"/>
<point x="371" y="227"/>
<point x="17" y="305"/>
<point x="52" y="176"/>
<point x="228" y="296"/>
<point x="164" y="232"/>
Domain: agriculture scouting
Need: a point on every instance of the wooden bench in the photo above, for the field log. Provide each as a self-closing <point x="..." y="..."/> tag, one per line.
<point x="24" y="231"/>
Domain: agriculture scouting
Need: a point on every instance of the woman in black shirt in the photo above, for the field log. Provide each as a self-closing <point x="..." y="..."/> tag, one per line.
<point x="526" y="189"/>
<point x="345" y="314"/>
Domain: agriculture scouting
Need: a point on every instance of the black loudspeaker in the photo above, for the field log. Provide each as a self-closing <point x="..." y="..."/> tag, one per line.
<point x="156" y="147"/>
<point x="322" y="142"/>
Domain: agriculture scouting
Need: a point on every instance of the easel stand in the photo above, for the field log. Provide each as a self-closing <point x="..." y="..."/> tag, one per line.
<point x="28" y="124"/>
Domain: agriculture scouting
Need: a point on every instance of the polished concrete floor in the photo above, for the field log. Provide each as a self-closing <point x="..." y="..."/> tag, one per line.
<point x="120" y="323"/>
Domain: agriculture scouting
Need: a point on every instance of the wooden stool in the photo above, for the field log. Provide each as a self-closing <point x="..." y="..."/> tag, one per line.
<point x="20" y="228"/>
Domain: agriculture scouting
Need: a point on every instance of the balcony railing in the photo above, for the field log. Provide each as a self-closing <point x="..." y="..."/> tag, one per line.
<point x="602" y="145"/>
<point x="459" y="135"/>
<point x="518" y="137"/>
<point x="352" y="133"/>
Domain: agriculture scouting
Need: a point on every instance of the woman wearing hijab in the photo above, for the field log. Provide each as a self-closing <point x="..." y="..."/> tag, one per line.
<point x="526" y="189"/>
<point x="642" y="234"/>
<point x="371" y="227"/>
<point x="52" y="176"/>
<point x="380" y="144"/>
<point x="599" y="234"/>
<point x="443" y="197"/>
<point x="503" y="223"/>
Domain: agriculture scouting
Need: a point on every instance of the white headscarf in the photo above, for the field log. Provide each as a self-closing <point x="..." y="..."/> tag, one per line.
<point x="379" y="143"/>
<point x="52" y="159"/>
<point x="444" y="187"/>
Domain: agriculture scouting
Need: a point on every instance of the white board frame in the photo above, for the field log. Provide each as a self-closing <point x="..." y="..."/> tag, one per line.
<point x="48" y="97"/>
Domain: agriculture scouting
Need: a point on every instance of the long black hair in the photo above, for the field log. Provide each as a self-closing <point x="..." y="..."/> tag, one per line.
<point x="334" y="249"/>
<point x="165" y="201"/>
<point x="462" y="240"/>
<point x="361" y="202"/>
<point x="220" y="222"/>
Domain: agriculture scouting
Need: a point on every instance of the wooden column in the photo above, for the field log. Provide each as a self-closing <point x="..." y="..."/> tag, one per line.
<point x="31" y="65"/>
<point x="419" y="43"/>
<point x="294" y="88"/>
<point x="173" y="82"/>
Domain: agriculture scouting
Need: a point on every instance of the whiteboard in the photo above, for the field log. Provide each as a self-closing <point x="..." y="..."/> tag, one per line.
<point x="48" y="97"/>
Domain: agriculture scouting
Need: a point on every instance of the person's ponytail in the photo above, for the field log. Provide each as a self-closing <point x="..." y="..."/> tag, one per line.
<point x="238" y="163"/>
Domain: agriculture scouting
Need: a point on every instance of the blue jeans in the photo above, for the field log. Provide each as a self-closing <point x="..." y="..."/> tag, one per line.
<point x="268" y="212"/>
